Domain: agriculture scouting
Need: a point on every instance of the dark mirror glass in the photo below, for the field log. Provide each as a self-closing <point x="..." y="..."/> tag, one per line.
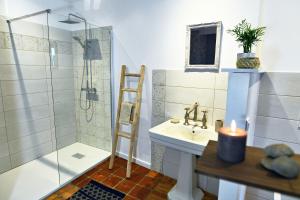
<point x="203" y="46"/>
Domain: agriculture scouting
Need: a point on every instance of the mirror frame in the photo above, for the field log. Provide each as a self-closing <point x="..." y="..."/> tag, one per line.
<point x="201" y="67"/>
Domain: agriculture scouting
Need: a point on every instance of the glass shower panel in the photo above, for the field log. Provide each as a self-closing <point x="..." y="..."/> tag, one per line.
<point x="27" y="132"/>
<point x="81" y="93"/>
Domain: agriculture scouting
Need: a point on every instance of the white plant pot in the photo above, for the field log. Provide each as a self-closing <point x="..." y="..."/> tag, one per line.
<point x="245" y="55"/>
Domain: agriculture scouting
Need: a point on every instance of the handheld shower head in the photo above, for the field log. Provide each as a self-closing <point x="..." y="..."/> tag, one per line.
<point x="79" y="41"/>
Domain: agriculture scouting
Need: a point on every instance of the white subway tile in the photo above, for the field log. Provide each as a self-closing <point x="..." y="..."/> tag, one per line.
<point x="2" y="119"/>
<point x="182" y="95"/>
<point x="22" y="57"/>
<point x="29" y="141"/>
<point x="218" y="114"/>
<point x="22" y="87"/>
<point x="30" y="43"/>
<point x="220" y="99"/>
<point x="263" y="142"/>
<point x="3" y="136"/>
<point x="280" y="84"/>
<point x="21" y="72"/>
<point x="195" y="80"/>
<point x="27" y="114"/>
<point x="287" y="107"/>
<point x="5" y="164"/>
<point x="277" y="129"/>
<point x="4" y="150"/>
<point x="25" y="101"/>
<point x="221" y="81"/>
<point x="17" y="130"/>
<point x="30" y="154"/>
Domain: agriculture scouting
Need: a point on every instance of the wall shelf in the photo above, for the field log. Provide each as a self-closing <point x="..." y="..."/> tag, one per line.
<point x="236" y="70"/>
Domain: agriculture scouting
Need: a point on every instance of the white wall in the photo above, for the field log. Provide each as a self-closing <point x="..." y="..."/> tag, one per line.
<point x="153" y="33"/>
<point x="279" y="50"/>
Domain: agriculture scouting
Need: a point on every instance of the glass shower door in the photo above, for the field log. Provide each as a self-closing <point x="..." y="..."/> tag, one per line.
<point x="28" y="157"/>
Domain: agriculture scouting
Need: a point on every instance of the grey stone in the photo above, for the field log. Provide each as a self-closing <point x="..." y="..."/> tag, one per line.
<point x="277" y="150"/>
<point x="285" y="167"/>
<point x="267" y="163"/>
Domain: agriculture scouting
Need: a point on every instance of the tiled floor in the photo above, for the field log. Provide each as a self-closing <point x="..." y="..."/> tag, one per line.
<point x="143" y="184"/>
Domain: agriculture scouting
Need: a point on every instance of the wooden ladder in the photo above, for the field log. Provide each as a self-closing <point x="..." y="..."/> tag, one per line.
<point x="135" y="119"/>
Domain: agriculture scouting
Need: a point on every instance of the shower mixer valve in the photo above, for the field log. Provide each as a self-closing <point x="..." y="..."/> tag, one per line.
<point x="91" y="94"/>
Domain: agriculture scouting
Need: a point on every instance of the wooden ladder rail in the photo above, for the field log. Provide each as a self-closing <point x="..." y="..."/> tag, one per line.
<point x="136" y="116"/>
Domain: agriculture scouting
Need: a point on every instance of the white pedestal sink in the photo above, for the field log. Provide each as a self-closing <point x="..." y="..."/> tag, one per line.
<point x="190" y="141"/>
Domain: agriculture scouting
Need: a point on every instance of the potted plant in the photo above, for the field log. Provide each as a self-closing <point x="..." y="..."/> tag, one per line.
<point x="247" y="36"/>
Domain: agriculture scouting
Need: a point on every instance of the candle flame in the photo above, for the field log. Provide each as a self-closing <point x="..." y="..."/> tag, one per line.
<point x="233" y="126"/>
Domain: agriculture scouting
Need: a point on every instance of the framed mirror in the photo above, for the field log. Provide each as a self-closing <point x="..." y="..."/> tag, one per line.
<point x="203" y="45"/>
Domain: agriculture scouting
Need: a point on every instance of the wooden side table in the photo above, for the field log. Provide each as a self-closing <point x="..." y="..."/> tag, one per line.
<point x="249" y="172"/>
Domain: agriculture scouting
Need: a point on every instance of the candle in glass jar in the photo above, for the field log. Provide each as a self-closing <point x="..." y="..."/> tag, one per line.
<point x="232" y="143"/>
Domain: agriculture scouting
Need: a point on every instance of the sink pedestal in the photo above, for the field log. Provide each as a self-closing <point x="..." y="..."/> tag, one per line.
<point x="186" y="187"/>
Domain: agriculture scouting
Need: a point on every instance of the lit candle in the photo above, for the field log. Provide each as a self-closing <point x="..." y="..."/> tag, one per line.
<point x="232" y="143"/>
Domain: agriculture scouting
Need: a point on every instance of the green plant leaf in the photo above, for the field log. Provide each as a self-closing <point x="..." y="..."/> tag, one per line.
<point x="246" y="35"/>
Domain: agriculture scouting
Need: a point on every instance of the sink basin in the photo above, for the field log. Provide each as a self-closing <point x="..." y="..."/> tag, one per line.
<point x="189" y="140"/>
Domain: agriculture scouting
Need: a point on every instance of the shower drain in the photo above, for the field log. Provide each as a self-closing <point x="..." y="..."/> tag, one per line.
<point x="78" y="155"/>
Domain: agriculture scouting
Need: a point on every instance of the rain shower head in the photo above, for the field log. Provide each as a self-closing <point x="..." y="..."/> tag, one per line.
<point x="70" y="21"/>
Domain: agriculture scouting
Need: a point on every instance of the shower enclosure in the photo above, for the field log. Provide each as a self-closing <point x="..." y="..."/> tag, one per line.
<point x="55" y="101"/>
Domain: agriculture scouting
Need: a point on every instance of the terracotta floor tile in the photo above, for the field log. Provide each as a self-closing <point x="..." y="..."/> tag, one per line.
<point x="120" y="162"/>
<point x="79" y="179"/>
<point x="92" y="171"/>
<point x="127" y="197"/>
<point x="168" y="180"/>
<point x="112" y="181"/>
<point x="113" y="170"/>
<point x="163" y="195"/>
<point x="103" y="165"/>
<point x="143" y="184"/>
<point x="125" y="186"/>
<point x="52" y="197"/>
<point x="134" y="166"/>
<point x="121" y="172"/>
<point x="154" y="174"/>
<point x="136" y="177"/>
<point x="163" y="187"/>
<point x="153" y="196"/>
<point x="142" y="170"/>
<point x="139" y="192"/>
<point x="148" y="182"/>
<point x="100" y="176"/>
<point x="67" y="191"/>
<point x="83" y="183"/>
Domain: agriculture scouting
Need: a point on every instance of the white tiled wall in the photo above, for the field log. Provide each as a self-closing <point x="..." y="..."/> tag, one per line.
<point x="278" y="117"/>
<point x="97" y="132"/>
<point x="173" y="90"/>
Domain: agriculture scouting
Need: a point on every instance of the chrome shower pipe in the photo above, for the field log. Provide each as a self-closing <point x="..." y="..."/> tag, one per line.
<point x="29" y="15"/>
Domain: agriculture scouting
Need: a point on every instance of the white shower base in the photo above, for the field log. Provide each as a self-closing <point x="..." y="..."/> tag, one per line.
<point x="38" y="178"/>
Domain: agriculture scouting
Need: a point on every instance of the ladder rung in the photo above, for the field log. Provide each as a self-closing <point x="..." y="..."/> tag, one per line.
<point x="129" y="90"/>
<point x="132" y="74"/>
<point x="124" y="134"/>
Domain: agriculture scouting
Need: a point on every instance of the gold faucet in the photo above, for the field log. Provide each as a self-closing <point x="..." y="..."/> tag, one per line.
<point x="195" y="110"/>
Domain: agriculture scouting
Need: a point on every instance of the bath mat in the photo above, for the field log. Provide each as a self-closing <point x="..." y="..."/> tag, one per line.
<point x="97" y="191"/>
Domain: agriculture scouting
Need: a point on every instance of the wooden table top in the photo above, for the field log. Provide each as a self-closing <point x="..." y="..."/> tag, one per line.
<point x="249" y="172"/>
